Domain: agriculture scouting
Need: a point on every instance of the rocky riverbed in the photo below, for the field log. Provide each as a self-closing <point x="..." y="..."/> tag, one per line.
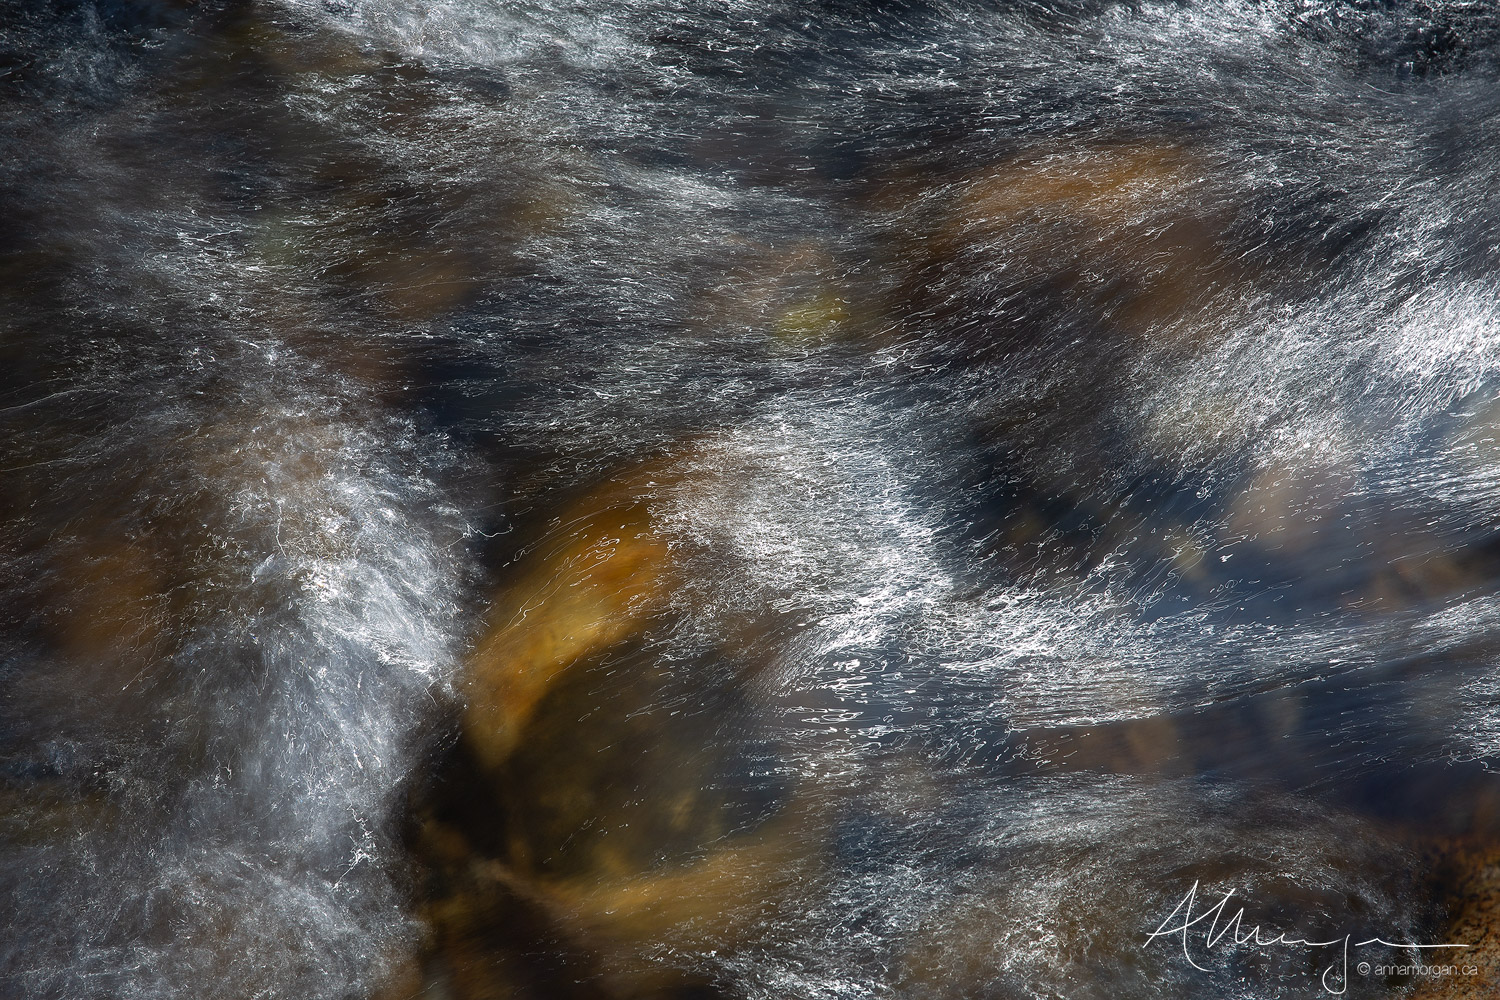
<point x="648" y="499"/>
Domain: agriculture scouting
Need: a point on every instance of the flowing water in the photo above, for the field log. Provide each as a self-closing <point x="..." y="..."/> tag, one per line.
<point x="745" y="500"/>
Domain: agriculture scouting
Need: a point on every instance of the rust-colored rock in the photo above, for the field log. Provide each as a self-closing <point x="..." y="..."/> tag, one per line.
<point x="1475" y="923"/>
<point x="598" y="577"/>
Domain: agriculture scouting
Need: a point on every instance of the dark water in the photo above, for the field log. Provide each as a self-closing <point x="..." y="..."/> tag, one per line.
<point x="755" y="500"/>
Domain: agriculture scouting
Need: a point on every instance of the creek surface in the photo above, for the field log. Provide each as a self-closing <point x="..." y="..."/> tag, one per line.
<point x="744" y="500"/>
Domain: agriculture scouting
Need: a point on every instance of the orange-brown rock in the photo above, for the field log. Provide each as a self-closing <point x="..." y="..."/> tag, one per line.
<point x="1137" y="225"/>
<point x="1475" y="922"/>
<point x="599" y="576"/>
<point x="1132" y="236"/>
<point x="740" y="892"/>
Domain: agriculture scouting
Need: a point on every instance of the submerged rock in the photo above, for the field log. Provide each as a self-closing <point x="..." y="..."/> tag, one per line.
<point x="594" y="581"/>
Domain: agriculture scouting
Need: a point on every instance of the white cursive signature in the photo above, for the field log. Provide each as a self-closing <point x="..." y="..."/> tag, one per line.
<point x="1335" y="977"/>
